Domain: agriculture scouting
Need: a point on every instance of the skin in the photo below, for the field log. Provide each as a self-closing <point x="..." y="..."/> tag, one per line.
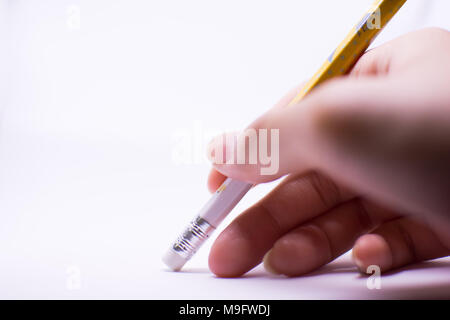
<point x="366" y="164"/>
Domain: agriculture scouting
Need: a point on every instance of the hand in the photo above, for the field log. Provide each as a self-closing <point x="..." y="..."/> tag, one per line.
<point x="368" y="163"/>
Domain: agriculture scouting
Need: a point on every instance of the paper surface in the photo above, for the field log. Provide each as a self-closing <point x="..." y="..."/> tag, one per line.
<point x="71" y="228"/>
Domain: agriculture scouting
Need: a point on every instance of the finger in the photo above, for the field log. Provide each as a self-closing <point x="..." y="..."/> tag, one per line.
<point x="242" y="245"/>
<point x="215" y="180"/>
<point x="396" y="244"/>
<point x="324" y="238"/>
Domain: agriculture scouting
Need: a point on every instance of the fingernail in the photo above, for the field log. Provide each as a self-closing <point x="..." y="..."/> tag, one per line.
<point x="267" y="265"/>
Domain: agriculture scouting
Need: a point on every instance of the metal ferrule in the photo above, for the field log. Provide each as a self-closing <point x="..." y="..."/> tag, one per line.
<point x="193" y="237"/>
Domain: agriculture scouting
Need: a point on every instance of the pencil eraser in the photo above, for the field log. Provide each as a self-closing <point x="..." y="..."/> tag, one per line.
<point x="173" y="260"/>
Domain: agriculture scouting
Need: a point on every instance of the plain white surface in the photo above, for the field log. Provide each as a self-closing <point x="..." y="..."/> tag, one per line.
<point x="94" y="108"/>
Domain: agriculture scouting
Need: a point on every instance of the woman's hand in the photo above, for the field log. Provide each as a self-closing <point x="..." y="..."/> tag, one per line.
<point x="368" y="159"/>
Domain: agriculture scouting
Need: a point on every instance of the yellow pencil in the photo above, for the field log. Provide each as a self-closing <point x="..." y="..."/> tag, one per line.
<point x="232" y="191"/>
<point x="354" y="45"/>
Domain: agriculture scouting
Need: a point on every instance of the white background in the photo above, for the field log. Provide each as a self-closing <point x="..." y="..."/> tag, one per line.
<point x="94" y="98"/>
